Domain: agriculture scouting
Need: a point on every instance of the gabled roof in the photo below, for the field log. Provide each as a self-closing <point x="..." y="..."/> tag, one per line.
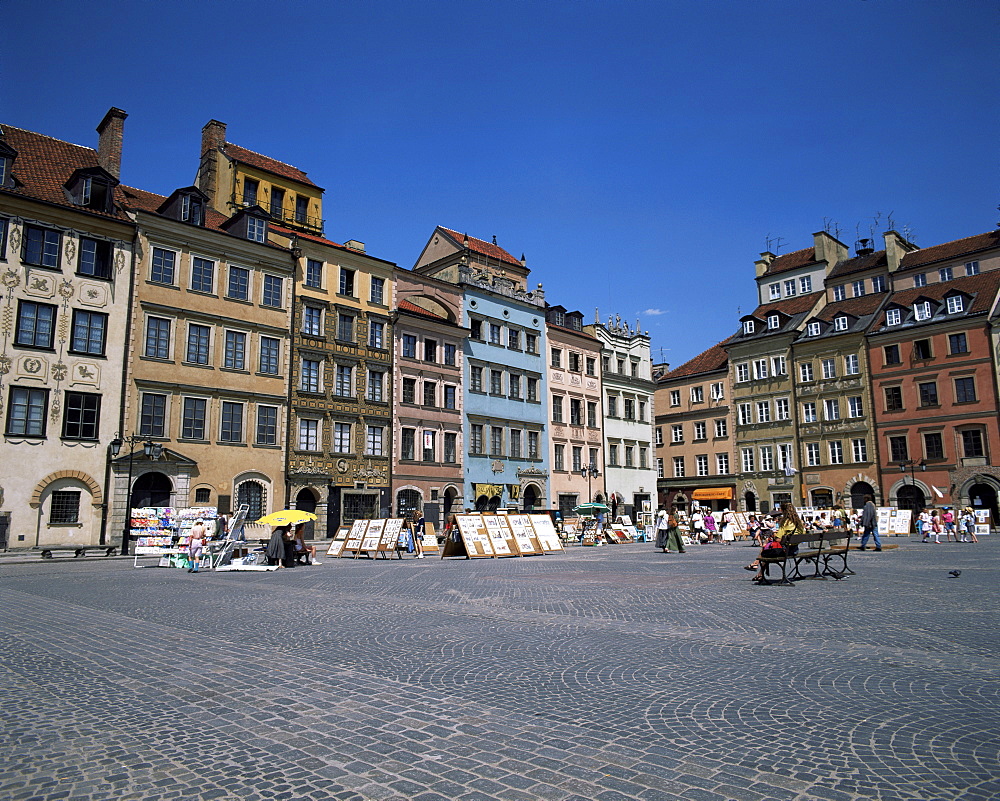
<point x="266" y="163"/>
<point x="983" y="287"/>
<point x="859" y="264"/>
<point x="481" y="246"/>
<point x="44" y="165"/>
<point x="791" y="261"/>
<point x="969" y="246"/>
<point x="413" y="308"/>
<point x="709" y="361"/>
<point x="141" y="200"/>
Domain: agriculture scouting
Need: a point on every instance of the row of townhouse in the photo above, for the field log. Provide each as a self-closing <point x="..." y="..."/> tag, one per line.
<point x="211" y="347"/>
<point x="868" y="374"/>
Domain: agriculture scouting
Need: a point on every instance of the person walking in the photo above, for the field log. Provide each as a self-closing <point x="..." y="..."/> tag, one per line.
<point x="196" y="545"/>
<point x="710" y="527"/>
<point x="419" y="523"/>
<point x="674" y="541"/>
<point x="661" y="529"/>
<point x="869" y="524"/>
<point x="968" y="525"/>
<point x="697" y="526"/>
<point x="924" y="525"/>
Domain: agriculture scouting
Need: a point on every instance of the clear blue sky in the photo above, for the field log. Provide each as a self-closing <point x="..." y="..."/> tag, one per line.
<point x="638" y="153"/>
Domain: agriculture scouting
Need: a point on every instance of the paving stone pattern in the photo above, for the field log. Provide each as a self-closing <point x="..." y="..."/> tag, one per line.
<point x="601" y="673"/>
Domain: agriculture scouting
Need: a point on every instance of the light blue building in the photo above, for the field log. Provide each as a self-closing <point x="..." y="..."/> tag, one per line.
<point x="506" y="461"/>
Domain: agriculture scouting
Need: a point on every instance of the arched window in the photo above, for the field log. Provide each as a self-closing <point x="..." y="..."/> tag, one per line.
<point x="407" y="502"/>
<point x="254" y="495"/>
<point x="858" y="493"/>
<point x="151" y="489"/>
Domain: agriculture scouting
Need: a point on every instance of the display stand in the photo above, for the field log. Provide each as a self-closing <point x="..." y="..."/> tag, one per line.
<point x="352" y="545"/>
<point x="501" y="540"/>
<point x="475" y="538"/>
<point x="391" y="535"/>
<point x="372" y="540"/>
<point x="524" y="535"/>
<point x="429" y="542"/>
<point x="338" y="541"/>
<point x="545" y="533"/>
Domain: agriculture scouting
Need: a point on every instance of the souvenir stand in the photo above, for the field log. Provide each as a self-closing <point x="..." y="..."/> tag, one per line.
<point x="164" y="532"/>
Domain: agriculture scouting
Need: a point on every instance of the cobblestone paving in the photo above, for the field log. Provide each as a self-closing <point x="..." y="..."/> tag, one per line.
<point x="601" y="673"/>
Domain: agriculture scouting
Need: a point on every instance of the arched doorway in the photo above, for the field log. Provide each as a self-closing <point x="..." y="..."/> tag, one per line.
<point x="407" y="502"/>
<point x="911" y="497"/>
<point x="858" y="493"/>
<point x="151" y="489"/>
<point x="750" y="501"/>
<point x="529" y="498"/>
<point x="984" y="496"/>
<point x="306" y="502"/>
<point x="253" y="494"/>
<point x="450" y="495"/>
<point x="482" y="503"/>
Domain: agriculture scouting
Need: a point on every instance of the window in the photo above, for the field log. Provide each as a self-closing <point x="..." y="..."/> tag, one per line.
<point x="256" y="229"/>
<point x="273" y="291"/>
<point x="829" y="368"/>
<point x="346" y="282"/>
<point x="766" y="457"/>
<point x="152" y="415"/>
<point x="373" y="441"/>
<point x="790" y="288"/>
<point x="812" y="454"/>
<point x="898" y="452"/>
<point x="312" y="321"/>
<point x="513" y="339"/>
<point x="956" y="304"/>
<point x="557" y="409"/>
<point x="972" y="443"/>
<point x="629" y="405"/>
<point x="342" y="438"/>
<point x="409" y="391"/>
<point x="590" y="365"/>
<point x="858" y="287"/>
<point x="82" y="416"/>
<point x="805" y="371"/>
<point x="231" y="429"/>
<point x="958" y="343"/>
<point x="430" y="393"/>
<point x="88" y="332"/>
<point x="893" y="399"/>
<point x="578" y="458"/>
<point x="813" y="329"/>
<point x="449" y="354"/>
<point x="344" y="383"/>
<point x="612" y="405"/>
<point x="658" y="436"/>
<point x="747" y="460"/>
<point x="859" y="450"/>
<point x="920" y="279"/>
<point x="376" y="334"/>
<point x="718" y="390"/>
<point x="157" y="338"/>
<point x="41" y="247"/>
<point x="475" y="379"/>
<point x="192" y="210"/>
<point x="774" y="291"/>
<point x="805" y="284"/>
<point x="972" y="268"/>
<point x="701" y="465"/>
<point x="722" y="464"/>
<point x="839" y="293"/>
<point x="236" y="348"/>
<point x="836" y="452"/>
<point x="95" y="258"/>
<point x="700" y="430"/>
<point x="777" y="368"/>
<point x="613" y="455"/>
<point x="721" y="427"/>
<point x="309" y="379"/>
<point x="559" y="457"/>
<point x="946" y="274"/>
<point x="742" y="374"/>
<point x="574" y="362"/>
<point x="308" y="435"/>
<point x="760" y="368"/>
<point x="763" y="411"/>
<point x="679" y="467"/>
<point x="409" y="346"/>
<point x="345" y="327"/>
<point x="408" y="443"/>
<point x="928" y="393"/>
<point x="65" y="508"/>
<point x="301" y="208"/>
<point x="965" y="390"/>
<point x="832" y="409"/>
<point x="314" y="273"/>
<point x="496" y="382"/>
<point x="922" y="310"/>
<point x="163" y="266"/>
<point x="198" y="343"/>
<point x="193" y="416"/>
<point x="531" y="390"/>
<point x="476" y="329"/>
<point x="748" y="327"/>
<point x="450" y="447"/>
<point x="202" y="274"/>
<point x="277" y="202"/>
<point x="933" y="446"/>
<point x="495" y="332"/>
<point x="377" y="291"/>
<point x="745" y="414"/>
<point x="430" y="350"/>
<point x="239" y="283"/>
<point x="809" y="412"/>
<point x="675" y="397"/>
<point x="269" y="350"/>
<point x="531" y="343"/>
<point x="781" y="409"/>
<point x="496" y="441"/>
<point x="376" y="386"/>
<point x="35" y="325"/>
<point x="878" y="285"/>
<point x="773" y="322"/>
<point x="892" y="354"/>
<point x="250" y="187"/>
<point x="450" y="396"/>
<point x="697" y="394"/>
<point x="514" y="385"/>
<point x="556" y="357"/>
<point x="576" y="412"/>
<point x="855" y="407"/>
<point x="922" y="349"/>
<point x="677" y="433"/>
<point x="840" y="323"/>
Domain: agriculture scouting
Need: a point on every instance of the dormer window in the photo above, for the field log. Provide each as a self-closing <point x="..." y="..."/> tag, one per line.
<point x="748" y="327"/>
<point x="91" y="188"/>
<point x="922" y="310"/>
<point x="840" y="323"/>
<point x="4" y="170"/>
<point x="7" y="156"/>
<point x="192" y="210"/>
<point x="773" y="321"/>
<point x="256" y="229"/>
<point x="893" y="317"/>
<point x="813" y="329"/>
<point x="956" y="304"/>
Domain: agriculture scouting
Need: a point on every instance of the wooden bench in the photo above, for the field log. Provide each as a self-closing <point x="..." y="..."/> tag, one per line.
<point x="790" y="543"/>
<point x="79" y="551"/>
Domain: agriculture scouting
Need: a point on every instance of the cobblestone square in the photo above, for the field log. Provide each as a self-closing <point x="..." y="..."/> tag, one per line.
<point x="599" y="673"/>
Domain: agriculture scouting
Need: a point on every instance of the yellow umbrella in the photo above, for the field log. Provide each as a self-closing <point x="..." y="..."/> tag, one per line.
<point x="287" y="517"/>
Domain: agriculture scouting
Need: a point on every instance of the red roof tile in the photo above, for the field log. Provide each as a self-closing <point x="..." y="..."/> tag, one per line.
<point x="789" y="306"/>
<point x="141" y="200"/>
<point x="481" y="246"/>
<point x="984" y="286"/>
<point x="859" y="264"/>
<point x="792" y="261"/>
<point x="266" y="163"/>
<point x="413" y="308"/>
<point x="311" y="237"/>
<point x="857" y="307"/>
<point x="44" y="165"/>
<point x="951" y="250"/>
<point x="711" y="360"/>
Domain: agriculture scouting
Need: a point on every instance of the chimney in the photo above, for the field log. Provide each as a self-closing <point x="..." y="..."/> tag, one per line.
<point x="213" y="136"/>
<point x="763" y="263"/>
<point x="895" y="248"/>
<point x="109" y="145"/>
<point x="829" y="249"/>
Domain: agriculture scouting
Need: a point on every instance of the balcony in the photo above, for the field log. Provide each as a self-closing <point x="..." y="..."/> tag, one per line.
<point x="283" y="216"/>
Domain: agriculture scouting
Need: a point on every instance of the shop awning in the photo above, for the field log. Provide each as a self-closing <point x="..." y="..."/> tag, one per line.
<point x="713" y="494"/>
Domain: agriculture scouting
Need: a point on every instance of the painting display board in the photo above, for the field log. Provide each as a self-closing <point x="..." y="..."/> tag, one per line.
<point x="894" y="521"/>
<point x="546" y="533"/>
<point x="501" y="540"/>
<point x="982" y="522"/>
<point x="389" y="543"/>
<point x="352" y="546"/>
<point x="429" y="542"/>
<point x="338" y="541"/>
<point x="625" y="524"/>
<point x="524" y="534"/>
<point x="373" y="537"/>
<point x="474" y="535"/>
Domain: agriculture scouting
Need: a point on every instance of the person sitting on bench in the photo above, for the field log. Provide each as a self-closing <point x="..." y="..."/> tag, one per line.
<point x="301" y="549"/>
<point x="790" y="523"/>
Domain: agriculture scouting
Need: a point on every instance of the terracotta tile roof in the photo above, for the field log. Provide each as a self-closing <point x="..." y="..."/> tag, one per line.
<point x="413" y="308"/>
<point x="141" y="200"/>
<point x="311" y="237"/>
<point x="481" y="246"/>
<point x="266" y="163"/>
<point x="792" y="261"/>
<point x="789" y="306"/>
<point x="983" y="286"/>
<point x="43" y="166"/>
<point x="711" y="360"/>
<point x="857" y="307"/>
<point x="951" y="250"/>
<point x="859" y="264"/>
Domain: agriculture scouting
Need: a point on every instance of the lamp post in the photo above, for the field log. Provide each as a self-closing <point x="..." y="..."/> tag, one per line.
<point x="589" y="471"/>
<point x="910" y="463"/>
<point x="152" y="450"/>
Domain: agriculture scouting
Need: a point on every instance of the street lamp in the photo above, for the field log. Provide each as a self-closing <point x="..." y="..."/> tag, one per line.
<point x="152" y="450"/>
<point x="589" y="471"/>
<point x="910" y="463"/>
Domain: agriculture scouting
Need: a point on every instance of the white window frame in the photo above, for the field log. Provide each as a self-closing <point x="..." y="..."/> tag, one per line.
<point x="839" y="292"/>
<point x="781" y="409"/>
<point x="893" y="317"/>
<point x="812" y="454"/>
<point x="775" y="291"/>
<point x="742" y="372"/>
<point x="813" y="329"/>
<point x="852" y="364"/>
<point x="922" y="310"/>
<point x="806" y="284"/>
<point x="956" y="304"/>
<point x="809" y="412"/>
<point x="829" y="367"/>
<point x="840" y="323"/>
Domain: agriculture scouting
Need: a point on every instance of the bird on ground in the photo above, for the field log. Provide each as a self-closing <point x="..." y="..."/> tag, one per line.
<point x="954" y="573"/>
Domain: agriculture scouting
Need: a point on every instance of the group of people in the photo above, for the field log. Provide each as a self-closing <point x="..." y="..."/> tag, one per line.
<point x="287" y="545"/>
<point x="935" y="522"/>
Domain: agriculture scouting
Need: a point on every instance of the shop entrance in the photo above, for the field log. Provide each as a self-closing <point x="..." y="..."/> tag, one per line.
<point x="984" y="496"/>
<point x="306" y="502"/>
<point x="151" y="489"/>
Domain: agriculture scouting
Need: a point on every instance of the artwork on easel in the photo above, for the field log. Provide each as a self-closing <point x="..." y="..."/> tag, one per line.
<point x="373" y="536"/>
<point x="338" y="541"/>
<point x="390" y="543"/>
<point x="524" y="535"/>
<point x="429" y="542"/>
<point x="546" y="533"/>
<point x="474" y="535"/>
<point x="501" y="539"/>
<point x="353" y="543"/>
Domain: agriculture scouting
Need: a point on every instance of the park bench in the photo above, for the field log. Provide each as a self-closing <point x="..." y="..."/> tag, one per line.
<point x="815" y="550"/>
<point x="789" y="543"/>
<point x="79" y="551"/>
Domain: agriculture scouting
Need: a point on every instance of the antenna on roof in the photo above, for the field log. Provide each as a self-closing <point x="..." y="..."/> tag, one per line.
<point x="778" y="241"/>
<point x="891" y="223"/>
<point x="909" y="234"/>
<point x="494" y="239"/>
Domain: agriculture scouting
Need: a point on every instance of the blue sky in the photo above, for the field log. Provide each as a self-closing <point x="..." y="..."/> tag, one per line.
<point x="638" y="153"/>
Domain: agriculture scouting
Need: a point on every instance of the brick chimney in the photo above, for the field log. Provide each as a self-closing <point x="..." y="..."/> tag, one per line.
<point x="213" y="136"/>
<point x="109" y="145"/>
<point x="895" y="248"/>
